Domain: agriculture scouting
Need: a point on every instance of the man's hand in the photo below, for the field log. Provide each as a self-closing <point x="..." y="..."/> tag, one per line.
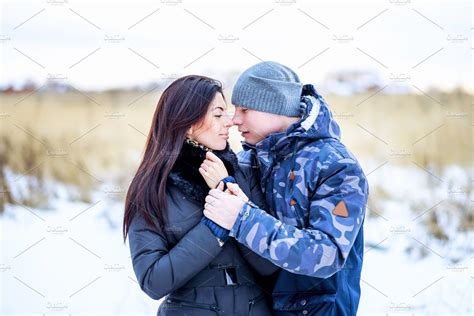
<point x="222" y="208"/>
<point x="234" y="189"/>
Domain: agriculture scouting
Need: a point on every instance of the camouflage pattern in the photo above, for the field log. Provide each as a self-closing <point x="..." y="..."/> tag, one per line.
<point x="300" y="231"/>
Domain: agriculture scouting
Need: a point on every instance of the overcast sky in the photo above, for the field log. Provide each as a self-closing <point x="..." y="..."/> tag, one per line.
<point x="102" y="44"/>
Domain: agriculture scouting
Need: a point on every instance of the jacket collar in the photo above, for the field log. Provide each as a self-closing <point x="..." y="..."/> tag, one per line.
<point x="185" y="172"/>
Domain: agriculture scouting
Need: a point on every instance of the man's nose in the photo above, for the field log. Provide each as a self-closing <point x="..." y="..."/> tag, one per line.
<point x="236" y="119"/>
<point x="228" y="122"/>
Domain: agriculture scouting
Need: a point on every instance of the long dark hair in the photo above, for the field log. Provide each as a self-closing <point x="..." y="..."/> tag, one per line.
<point x="184" y="103"/>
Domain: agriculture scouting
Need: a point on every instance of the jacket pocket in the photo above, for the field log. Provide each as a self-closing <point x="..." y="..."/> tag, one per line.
<point x="173" y="306"/>
<point x="305" y="303"/>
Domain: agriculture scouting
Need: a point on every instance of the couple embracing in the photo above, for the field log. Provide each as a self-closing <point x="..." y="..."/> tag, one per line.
<point x="276" y="229"/>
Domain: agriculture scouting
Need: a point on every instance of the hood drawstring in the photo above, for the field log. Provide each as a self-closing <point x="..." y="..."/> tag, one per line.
<point x="292" y="175"/>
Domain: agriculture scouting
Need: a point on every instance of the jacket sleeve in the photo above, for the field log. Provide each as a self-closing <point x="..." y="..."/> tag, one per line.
<point x="161" y="270"/>
<point x="257" y="262"/>
<point x="321" y="249"/>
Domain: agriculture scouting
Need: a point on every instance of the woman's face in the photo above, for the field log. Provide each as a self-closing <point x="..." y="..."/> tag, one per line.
<point x="213" y="131"/>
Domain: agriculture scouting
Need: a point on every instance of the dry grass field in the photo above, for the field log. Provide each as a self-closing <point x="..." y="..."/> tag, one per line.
<point x="87" y="139"/>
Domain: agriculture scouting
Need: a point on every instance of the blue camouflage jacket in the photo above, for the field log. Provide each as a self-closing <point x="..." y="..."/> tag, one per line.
<point x="316" y="194"/>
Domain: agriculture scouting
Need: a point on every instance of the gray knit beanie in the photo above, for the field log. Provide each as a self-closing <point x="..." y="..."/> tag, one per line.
<point x="269" y="87"/>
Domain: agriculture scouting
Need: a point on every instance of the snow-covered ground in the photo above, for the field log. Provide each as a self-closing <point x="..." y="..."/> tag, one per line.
<point x="406" y="270"/>
<point x="71" y="259"/>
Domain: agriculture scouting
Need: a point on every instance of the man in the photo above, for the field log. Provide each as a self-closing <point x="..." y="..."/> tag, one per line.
<point x="315" y="190"/>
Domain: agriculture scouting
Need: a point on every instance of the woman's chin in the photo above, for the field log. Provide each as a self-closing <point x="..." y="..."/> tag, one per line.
<point x="221" y="145"/>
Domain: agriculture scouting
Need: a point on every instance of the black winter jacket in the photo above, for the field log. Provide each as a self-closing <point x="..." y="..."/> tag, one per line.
<point x="183" y="260"/>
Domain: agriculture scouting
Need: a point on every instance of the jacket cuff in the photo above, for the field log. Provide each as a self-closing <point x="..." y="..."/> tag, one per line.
<point x="242" y="216"/>
<point x="217" y="230"/>
<point x="228" y="179"/>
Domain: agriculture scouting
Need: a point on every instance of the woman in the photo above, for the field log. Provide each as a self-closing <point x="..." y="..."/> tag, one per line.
<point x="175" y="250"/>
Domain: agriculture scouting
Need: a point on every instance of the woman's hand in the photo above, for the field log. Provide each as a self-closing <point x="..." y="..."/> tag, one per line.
<point x="213" y="170"/>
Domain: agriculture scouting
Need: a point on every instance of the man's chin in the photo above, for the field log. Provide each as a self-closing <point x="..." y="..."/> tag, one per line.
<point x="249" y="140"/>
<point x="253" y="140"/>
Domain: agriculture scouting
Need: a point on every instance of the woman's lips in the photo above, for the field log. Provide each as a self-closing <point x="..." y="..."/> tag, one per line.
<point x="225" y="136"/>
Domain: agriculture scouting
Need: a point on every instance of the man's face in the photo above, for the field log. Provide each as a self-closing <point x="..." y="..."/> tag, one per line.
<point x="255" y="125"/>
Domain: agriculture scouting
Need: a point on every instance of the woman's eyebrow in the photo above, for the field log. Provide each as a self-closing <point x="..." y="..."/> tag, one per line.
<point x="218" y="107"/>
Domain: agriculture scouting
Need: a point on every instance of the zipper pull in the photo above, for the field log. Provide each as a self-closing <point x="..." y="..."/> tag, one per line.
<point x="251" y="302"/>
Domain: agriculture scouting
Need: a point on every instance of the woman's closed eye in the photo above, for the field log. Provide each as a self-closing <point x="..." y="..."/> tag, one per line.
<point x="218" y="112"/>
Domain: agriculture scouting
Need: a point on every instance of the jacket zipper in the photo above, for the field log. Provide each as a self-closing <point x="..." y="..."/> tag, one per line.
<point x="196" y="305"/>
